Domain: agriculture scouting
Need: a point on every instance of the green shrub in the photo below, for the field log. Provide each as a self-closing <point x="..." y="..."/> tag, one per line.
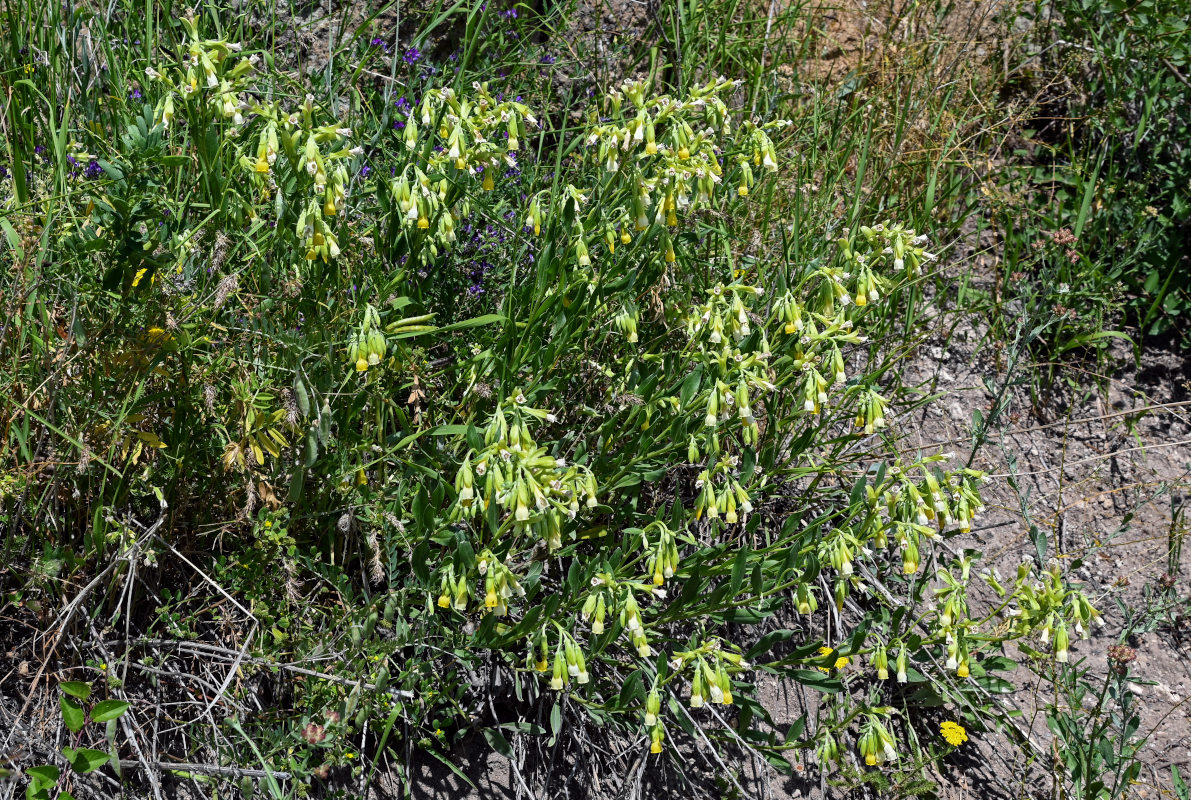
<point x="470" y="390"/>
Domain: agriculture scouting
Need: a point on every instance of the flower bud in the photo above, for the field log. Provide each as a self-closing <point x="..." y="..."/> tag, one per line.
<point x="653" y="706"/>
<point x="881" y="663"/>
<point x="696" y="700"/>
<point x="558" y="677"/>
<point x="1062" y="642"/>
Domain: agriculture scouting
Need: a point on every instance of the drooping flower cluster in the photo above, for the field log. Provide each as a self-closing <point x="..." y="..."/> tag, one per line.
<point x="663" y="553"/>
<point x="463" y="140"/>
<point x="536" y="491"/>
<point x="315" y="151"/>
<point x="876" y="745"/>
<point x="367" y="346"/>
<point x="737" y="364"/>
<point x="609" y="594"/>
<point x="1048" y="606"/>
<point x="673" y="148"/>
<point x="712" y="666"/>
<point x="569" y="661"/>
<point x="662" y="158"/>
<point x="206" y="74"/>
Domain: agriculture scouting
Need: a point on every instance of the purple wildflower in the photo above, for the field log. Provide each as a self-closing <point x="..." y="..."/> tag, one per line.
<point x="411" y="55"/>
<point x="548" y="59"/>
<point x="135" y="94"/>
<point x="365" y="171"/>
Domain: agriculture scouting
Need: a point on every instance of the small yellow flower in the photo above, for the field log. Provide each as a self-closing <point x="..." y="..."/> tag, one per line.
<point x="954" y="733"/>
<point x="840" y="662"/>
<point x="349" y="755"/>
<point x="268" y="524"/>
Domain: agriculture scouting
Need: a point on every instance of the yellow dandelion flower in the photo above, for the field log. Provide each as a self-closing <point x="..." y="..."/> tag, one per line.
<point x="954" y="733"/>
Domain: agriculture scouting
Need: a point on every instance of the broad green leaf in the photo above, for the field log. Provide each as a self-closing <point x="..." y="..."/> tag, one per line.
<point x="86" y="760"/>
<point x="108" y="709"/>
<point x="76" y="689"/>
<point x="46" y="775"/>
<point x="72" y="714"/>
